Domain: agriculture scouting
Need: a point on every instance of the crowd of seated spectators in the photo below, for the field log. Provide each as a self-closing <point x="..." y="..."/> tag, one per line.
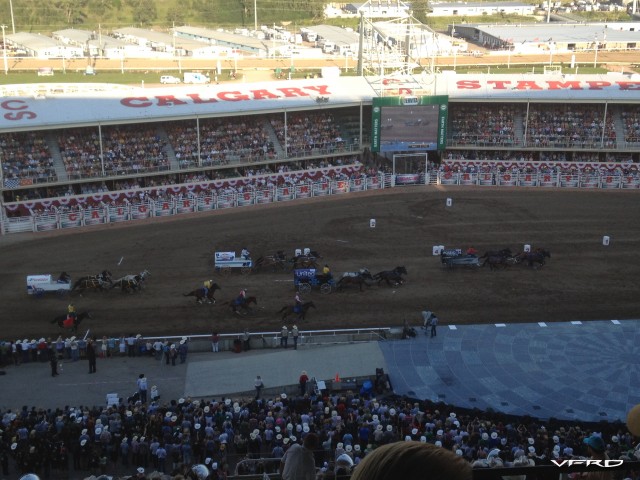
<point x="221" y="140"/>
<point x="483" y="124"/>
<point x="170" y="436"/>
<point x="307" y="132"/>
<point x="631" y="124"/>
<point x="570" y="125"/>
<point x="26" y="156"/>
<point x="80" y="152"/>
<point x="131" y="149"/>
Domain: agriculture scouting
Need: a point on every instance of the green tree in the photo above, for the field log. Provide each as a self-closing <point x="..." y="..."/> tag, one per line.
<point x="144" y="11"/>
<point x="176" y="16"/>
<point x="73" y="11"/>
<point x="420" y="9"/>
<point x="205" y="10"/>
<point x="101" y="9"/>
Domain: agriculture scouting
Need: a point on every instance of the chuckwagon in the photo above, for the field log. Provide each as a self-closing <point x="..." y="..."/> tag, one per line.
<point x="225" y="262"/>
<point x="38" y="285"/>
<point x="304" y="279"/>
<point x="455" y="257"/>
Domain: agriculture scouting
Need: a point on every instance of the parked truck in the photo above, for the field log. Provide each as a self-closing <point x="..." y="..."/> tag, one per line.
<point x="195" y="77"/>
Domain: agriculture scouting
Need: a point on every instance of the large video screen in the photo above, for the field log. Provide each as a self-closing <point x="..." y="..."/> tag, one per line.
<point x="415" y="124"/>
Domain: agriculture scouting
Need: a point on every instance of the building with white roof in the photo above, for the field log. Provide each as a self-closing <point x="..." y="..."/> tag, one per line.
<point x="98" y="45"/>
<point x="41" y="46"/>
<point x="451" y="9"/>
<point x="227" y="43"/>
<point x="539" y="38"/>
<point x="164" y="45"/>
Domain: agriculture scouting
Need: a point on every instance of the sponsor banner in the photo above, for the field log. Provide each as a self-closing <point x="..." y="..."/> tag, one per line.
<point x="118" y="214"/>
<point x="407" y="179"/>
<point x="141" y="210"/>
<point x="94" y="216"/>
<point x="630" y="182"/>
<point x="449" y="178"/>
<point x="611" y="181"/>
<point x="571" y="181"/>
<point x="468" y="178"/>
<point x="70" y="219"/>
<point x="485" y="179"/>
<point x="19" y="224"/>
<point x="339" y="186"/>
<point x="46" y="222"/>
<point x="226" y="200"/>
<point x="186" y="205"/>
<point x="373" y="183"/>
<point x="264" y="195"/>
<point x="205" y="203"/>
<point x="547" y="180"/>
<point x="321" y="188"/>
<point x="245" y="198"/>
<point x="163" y="208"/>
<point x="303" y="191"/>
<point x="285" y="194"/>
<point x="507" y="179"/>
<point x="589" y="181"/>
<point x="529" y="180"/>
<point x="357" y="184"/>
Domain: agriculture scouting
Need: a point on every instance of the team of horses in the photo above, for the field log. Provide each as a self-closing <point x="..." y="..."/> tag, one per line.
<point x="496" y="259"/>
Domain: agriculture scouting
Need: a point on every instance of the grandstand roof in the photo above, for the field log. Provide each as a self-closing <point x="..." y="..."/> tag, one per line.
<point x="49" y="106"/>
<point x="60" y="106"/>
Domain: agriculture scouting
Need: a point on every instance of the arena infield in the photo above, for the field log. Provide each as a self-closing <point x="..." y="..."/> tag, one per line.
<point x="583" y="279"/>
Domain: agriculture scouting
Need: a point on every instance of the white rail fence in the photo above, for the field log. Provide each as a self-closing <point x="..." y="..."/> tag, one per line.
<point x="149" y="208"/>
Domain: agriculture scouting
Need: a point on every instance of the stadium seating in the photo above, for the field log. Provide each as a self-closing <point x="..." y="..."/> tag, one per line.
<point x="483" y="125"/>
<point x="26" y="159"/>
<point x="631" y="125"/>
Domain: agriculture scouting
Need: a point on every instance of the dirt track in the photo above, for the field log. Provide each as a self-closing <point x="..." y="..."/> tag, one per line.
<point x="583" y="279"/>
<point x="254" y="69"/>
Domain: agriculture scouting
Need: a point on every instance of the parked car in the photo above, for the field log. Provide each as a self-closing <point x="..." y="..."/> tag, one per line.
<point x="169" y="79"/>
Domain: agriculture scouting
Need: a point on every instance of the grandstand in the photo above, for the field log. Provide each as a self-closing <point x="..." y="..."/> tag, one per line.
<point x="128" y="143"/>
<point x="61" y="139"/>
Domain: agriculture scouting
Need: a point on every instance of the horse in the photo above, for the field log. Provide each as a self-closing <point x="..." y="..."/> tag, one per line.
<point x="362" y="277"/>
<point x="505" y="252"/>
<point x="200" y="296"/>
<point x="131" y="283"/>
<point x="64" y="321"/>
<point x="390" y="276"/>
<point x="306" y="261"/>
<point x="277" y="261"/>
<point x="536" y="256"/>
<point x="93" y="281"/>
<point x="497" y="261"/>
<point x="295" y="310"/>
<point x="236" y="304"/>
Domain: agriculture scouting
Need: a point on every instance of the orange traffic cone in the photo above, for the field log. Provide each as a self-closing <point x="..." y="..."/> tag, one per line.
<point x="337" y="379"/>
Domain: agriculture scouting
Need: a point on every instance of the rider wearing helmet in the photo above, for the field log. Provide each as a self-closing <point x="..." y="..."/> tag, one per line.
<point x="242" y="297"/>
<point x="206" y="286"/>
<point x="71" y="311"/>
<point x="326" y="272"/>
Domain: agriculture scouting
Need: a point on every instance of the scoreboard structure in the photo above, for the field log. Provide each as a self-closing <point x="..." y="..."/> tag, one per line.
<point x="409" y="123"/>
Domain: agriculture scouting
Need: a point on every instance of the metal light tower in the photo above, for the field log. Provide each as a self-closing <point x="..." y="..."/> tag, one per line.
<point x="4" y="51"/>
